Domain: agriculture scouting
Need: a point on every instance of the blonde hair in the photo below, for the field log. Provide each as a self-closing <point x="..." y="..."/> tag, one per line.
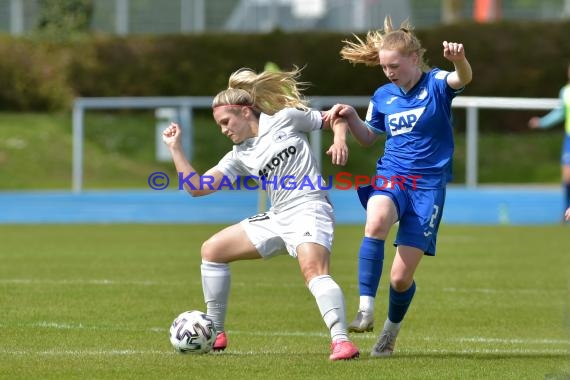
<point x="389" y="38"/>
<point x="267" y="92"/>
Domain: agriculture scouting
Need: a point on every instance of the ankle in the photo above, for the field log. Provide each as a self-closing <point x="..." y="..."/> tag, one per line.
<point x="391" y="326"/>
<point x="366" y="305"/>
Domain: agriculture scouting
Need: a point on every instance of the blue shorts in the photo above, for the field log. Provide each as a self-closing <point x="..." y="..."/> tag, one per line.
<point x="419" y="214"/>
<point x="565" y="160"/>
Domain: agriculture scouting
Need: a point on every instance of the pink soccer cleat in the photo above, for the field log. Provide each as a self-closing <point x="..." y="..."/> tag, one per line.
<point x="221" y="342"/>
<point x="343" y="350"/>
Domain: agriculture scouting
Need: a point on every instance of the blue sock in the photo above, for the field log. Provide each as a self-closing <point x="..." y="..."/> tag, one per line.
<point x="567" y="195"/>
<point x="370" y="260"/>
<point x="399" y="303"/>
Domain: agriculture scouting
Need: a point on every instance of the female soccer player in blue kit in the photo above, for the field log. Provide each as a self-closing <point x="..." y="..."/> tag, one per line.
<point x="414" y="111"/>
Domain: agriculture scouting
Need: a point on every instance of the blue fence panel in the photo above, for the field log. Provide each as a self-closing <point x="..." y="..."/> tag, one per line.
<point x="463" y="206"/>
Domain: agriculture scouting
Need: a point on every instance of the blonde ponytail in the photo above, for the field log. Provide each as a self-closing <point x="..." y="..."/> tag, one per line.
<point x="267" y="92"/>
<point x="367" y="51"/>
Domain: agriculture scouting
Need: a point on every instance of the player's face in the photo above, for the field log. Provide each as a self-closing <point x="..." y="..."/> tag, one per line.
<point x="234" y="125"/>
<point x="402" y="70"/>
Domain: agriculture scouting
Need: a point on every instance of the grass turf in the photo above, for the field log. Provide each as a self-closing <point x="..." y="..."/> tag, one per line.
<point x="96" y="301"/>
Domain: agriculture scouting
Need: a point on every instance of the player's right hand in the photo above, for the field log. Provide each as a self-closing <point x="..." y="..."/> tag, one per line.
<point x="171" y="135"/>
<point x="347" y="111"/>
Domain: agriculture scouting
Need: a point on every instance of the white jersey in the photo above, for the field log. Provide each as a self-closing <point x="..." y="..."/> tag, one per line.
<point x="279" y="158"/>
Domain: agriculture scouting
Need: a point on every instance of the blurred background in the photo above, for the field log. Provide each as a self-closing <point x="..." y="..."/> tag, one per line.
<point x="87" y="86"/>
<point x="127" y="17"/>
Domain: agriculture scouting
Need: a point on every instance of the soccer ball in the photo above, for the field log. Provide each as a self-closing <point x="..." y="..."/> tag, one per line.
<point x="192" y="332"/>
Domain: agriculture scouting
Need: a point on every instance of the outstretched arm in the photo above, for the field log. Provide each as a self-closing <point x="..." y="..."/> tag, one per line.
<point x="193" y="183"/>
<point x="552" y="118"/>
<point x="455" y="53"/>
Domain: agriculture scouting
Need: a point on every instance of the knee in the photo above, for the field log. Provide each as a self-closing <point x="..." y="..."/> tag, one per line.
<point x="400" y="282"/>
<point x="313" y="268"/>
<point x="208" y="250"/>
<point x="378" y="229"/>
<point x="312" y="271"/>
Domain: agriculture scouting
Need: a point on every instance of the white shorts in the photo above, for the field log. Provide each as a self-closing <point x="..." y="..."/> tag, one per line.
<point x="272" y="233"/>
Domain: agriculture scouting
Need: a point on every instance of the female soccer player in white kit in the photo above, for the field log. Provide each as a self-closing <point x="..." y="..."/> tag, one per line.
<point x="266" y="119"/>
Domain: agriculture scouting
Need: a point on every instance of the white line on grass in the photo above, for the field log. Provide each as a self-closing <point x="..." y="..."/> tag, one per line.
<point x="404" y="352"/>
<point x="58" y="326"/>
<point x="520" y="351"/>
<point x="27" y="281"/>
<point x="503" y="290"/>
<point x="429" y="339"/>
<point x="85" y="352"/>
<point x="511" y="341"/>
<point x="161" y="330"/>
<point x="107" y="282"/>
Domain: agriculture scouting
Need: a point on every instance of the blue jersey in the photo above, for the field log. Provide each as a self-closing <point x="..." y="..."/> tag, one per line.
<point x="417" y="124"/>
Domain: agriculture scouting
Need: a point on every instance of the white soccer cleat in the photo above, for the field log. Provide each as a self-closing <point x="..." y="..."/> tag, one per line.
<point x="363" y="322"/>
<point x="386" y="342"/>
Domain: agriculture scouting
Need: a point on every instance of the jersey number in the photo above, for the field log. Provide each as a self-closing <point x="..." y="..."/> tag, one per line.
<point x="432" y="220"/>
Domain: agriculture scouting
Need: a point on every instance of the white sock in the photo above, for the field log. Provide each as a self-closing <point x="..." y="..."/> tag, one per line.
<point x="366" y="305"/>
<point x="330" y="300"/>
<point x="216" y="280"/>
<point x="391" y="326"/>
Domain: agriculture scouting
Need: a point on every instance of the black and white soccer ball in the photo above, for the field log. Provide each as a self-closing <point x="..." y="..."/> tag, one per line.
<point x="192" y="332"/>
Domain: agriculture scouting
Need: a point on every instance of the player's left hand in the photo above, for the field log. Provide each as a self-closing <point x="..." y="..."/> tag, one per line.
<point x="453" y="51"/>
<point x="534" y="122"/>
<point x="339" y="153"/>
<point x="567" y="214"/>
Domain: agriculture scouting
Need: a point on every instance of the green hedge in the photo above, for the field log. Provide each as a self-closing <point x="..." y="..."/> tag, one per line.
<point x="509" y="59"/>
<point x="33" y="76"/>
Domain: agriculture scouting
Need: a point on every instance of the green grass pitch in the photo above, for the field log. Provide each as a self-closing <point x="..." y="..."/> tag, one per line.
<point x="96" y="302"/>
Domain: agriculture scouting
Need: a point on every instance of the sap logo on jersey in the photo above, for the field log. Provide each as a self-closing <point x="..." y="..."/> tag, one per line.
<point x="404" y="122"/>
